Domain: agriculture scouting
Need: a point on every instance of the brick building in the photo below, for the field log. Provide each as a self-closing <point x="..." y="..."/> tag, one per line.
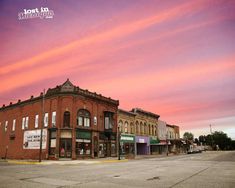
<point x="77" y="124"/>
<point x="138" y="130"/>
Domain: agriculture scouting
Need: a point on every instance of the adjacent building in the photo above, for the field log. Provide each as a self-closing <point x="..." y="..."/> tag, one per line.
<point x="75" y="123"/>
<point x="176" y="145"/>
<point x="138" y="131"/>
<point x="161" y="147"/>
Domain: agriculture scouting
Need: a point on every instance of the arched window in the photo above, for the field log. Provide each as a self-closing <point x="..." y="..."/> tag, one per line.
<point x="126" y="127"/>
<point x="141" y="128"/>
<point x="145" y="129"/>
<point x="120" y="124"/>
<point x="67" y="119"/>
<point x="149" y="127"/>
<point x="132" y="128"/>
<point x="83" y="118"/>
<point x="137" y="127"/>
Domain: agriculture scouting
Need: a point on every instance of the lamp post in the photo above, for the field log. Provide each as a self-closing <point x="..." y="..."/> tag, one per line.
<point x="211" y="137"/>
<point x="42" y="125"/>
<point x="166" y="145"/>
<point x="119" y="145"/>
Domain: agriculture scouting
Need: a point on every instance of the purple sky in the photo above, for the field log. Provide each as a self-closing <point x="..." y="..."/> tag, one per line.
<point x="174" y="58"/>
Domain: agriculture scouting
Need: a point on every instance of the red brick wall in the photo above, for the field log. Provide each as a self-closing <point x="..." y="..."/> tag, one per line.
<point x="60" y="104"/>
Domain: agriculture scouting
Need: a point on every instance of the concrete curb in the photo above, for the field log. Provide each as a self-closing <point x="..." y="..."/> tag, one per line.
<point x="75" y="162"/>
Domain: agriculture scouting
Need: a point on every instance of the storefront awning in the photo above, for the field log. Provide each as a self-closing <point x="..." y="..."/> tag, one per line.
<point x="127" y="138"/>
<point x="154" y="140"/>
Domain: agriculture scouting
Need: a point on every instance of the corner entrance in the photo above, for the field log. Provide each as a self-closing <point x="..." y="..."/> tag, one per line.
<point x="66" y="147"/>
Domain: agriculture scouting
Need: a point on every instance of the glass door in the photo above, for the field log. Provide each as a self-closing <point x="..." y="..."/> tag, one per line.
<point x="66" y="147"/>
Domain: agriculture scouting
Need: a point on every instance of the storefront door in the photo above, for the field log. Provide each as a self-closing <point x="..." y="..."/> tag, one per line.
<point x="66" y="147"/>
<point x="108" y="149"/>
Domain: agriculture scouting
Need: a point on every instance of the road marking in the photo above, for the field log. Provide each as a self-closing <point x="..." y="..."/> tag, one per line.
<point x="189" y="177"/>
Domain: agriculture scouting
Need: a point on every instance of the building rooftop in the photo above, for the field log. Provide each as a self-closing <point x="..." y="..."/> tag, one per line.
<point x="126" y="112"/>
<point x="144" y="112"/>
<point x="66" y="88"/>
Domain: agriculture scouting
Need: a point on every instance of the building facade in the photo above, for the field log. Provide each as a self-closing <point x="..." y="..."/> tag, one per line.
<point x="176" y="145"/>
<point x="75" y="123"/>
<point x="140" y="124"/>
<point x="126" y="129"/>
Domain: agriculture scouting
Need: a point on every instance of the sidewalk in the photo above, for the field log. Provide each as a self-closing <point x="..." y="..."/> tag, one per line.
<point x="84" y="161"/>
<point x="65" y="162"/>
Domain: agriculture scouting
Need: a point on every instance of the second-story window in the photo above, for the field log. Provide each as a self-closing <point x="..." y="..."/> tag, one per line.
<point x="27" y="122"/>
<point x="45" y="119"/>
<point x="14" y="125"/>
<point x="108" y="120"/>
<point x="137" y="127"/>
<point x="132" y="128"/>
<point x="66" y="119"/>
<point x="83" y="118"/>
<point x="126" y="127"/>
<point x="36" y="121"/>
<point x="53" y="119"/>
<point x="6" y="125"/>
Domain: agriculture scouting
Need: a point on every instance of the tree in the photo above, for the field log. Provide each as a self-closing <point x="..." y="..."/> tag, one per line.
<point x="188" y="136"/>
<point x="202" y="139"/>
<point x="196" y="141"/>
<point x="221" y="139"/>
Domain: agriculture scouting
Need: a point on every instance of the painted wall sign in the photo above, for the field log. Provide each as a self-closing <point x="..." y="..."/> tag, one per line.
<point x="32" y="139"/>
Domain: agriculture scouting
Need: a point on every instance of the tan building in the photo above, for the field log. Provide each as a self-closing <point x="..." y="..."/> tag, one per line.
<point x="175" y="144"/>
<point x="139" y="125"/>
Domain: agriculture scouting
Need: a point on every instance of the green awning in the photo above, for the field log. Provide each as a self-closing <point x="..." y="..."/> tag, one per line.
<point x="154" y="140"/>
<point x="83" y="135"/>
<point x="127" y="138"/>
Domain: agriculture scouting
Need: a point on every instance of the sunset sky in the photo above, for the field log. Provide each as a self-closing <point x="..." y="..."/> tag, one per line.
<point x="174" y="58"/>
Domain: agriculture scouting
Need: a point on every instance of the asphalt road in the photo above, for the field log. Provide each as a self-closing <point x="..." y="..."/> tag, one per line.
<point x="207" y="169"/>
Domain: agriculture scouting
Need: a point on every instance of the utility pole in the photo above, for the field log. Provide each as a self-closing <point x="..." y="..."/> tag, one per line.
<point x="119" y="144"/>
<point x="42" y="125"/>
<point x="166" y="145"/>
<point x="211" y="137"/>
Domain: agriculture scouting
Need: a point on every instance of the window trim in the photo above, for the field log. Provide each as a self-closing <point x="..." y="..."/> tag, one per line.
<point x="83" y="118"/>
<point x="36" y="122"/>
<point x="14" y="125"/>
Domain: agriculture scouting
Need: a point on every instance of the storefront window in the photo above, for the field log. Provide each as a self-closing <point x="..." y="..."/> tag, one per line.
<point x="102" y="149"/>
<point x="52" y="142"/>
<point x="113" y="148"/>
<point x="128" y="148"/>
<point x="83" y="147"/>
<point x="83" y="143"/>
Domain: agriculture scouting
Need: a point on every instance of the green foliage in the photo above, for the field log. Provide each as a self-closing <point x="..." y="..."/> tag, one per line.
<point x="221" y="139"/>
<point x="217" y="138"/>
<point x="188" y="136"/>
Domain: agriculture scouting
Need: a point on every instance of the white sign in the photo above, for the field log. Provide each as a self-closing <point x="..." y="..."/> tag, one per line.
<point x="32" y="139"/>
<point x="53" y="143"/>
<point x="42" y="12"/>
<point x="127" y="138"/>
<point x="141" y="140"/>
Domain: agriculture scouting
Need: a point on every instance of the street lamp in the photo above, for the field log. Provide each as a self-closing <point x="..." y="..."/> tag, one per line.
<point x="166" y="145"/>
<point x="40" y="148"/>
<point x="119" y="145"/>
